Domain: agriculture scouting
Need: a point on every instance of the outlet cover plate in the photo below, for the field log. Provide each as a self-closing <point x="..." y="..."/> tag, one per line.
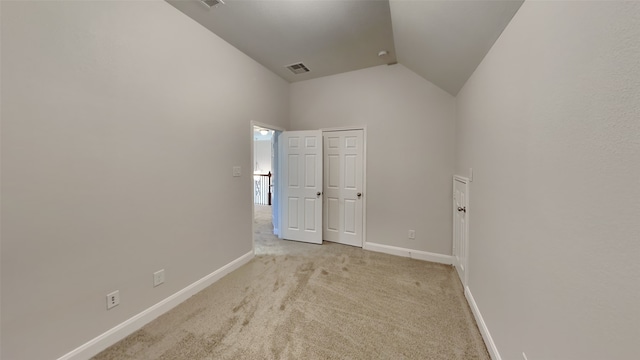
<point x="113" y="299"/>
<point x="158" y="277"/>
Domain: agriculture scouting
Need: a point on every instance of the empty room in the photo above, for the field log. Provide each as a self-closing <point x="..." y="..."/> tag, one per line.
<point x="446" y="179"/>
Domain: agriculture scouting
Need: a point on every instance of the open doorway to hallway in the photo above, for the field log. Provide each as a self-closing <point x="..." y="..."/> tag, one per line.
<point x="264" y="186"/>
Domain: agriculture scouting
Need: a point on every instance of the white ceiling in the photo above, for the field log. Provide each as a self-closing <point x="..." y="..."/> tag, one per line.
<point x="442" y="41"/>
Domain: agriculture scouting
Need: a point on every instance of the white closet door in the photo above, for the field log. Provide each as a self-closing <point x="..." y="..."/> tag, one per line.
<point x="343" y="179"/>
<point x="460" y="226"/>
<point x="301" y="176"/>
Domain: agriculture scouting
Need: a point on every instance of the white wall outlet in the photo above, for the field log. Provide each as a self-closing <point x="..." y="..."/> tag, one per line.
<point x="113" y="299"/>
<point x="158" y="277"/>
<point x="237" y="171"/>
<point x="524" y="356"/>
<point x="412" y="234"/>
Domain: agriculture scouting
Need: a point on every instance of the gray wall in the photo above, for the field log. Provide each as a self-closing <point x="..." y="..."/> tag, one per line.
<point x="121" y="122"/>
<point x="550" y="123"/>
<point x="410" y="148"/>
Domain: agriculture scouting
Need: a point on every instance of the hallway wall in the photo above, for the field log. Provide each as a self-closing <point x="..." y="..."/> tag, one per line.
<point x="262" y="156"/>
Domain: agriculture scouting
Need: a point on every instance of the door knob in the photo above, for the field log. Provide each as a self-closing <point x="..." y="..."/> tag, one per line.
<point x="359" y="194"/>
<point x="463" y="209"/>
<point x="318" y="193"/>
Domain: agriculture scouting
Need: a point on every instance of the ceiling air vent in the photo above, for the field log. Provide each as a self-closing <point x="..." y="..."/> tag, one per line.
<point x="298" y="68"/>
<point x="211" y="3"/>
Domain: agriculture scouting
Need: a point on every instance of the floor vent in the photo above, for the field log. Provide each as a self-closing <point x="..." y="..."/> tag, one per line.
<point x="212" y="3"/>
<point x="298" y="68"/>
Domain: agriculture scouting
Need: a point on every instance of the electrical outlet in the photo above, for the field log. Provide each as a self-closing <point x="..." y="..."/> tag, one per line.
<point x="412" y="234"/>
<point x="113" y="299"/>
<point x="524" y="356"/>
<point x="158" y="277"/>
<point x="237" y="171"/>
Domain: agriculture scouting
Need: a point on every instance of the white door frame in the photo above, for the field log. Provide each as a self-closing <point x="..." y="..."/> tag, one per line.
<point x="364" y="174"/>
<point x="466" y="182"/>
<point x="253" y="161"/>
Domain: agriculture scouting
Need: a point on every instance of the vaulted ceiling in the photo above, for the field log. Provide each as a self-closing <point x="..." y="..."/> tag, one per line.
<point x="442" y="41"/>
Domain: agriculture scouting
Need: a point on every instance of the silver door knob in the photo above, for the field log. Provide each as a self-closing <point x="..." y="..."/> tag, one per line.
<point x="463" y="209"/>
<point x="359" y="194"/>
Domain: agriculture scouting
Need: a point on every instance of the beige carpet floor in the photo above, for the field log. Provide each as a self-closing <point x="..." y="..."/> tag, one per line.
<point x="302" y="301"/>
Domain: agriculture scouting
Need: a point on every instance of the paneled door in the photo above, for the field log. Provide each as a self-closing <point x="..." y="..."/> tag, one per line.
<point x="301" y="185"/>
<point x="343" y="186"/>
<point x="460" y="208"/>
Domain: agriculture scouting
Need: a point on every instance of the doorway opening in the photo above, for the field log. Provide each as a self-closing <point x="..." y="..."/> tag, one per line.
<point x="264" y="145"/>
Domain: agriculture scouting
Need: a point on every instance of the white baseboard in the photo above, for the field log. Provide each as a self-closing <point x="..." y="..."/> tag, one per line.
<point x="484" y="330"/>
<point x="414" y="254"/>
<point x="110" y="337"/>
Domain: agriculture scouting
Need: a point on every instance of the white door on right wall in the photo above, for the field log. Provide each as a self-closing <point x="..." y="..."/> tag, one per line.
<point x="343" y="186"/>
<point x="460" y="204"/>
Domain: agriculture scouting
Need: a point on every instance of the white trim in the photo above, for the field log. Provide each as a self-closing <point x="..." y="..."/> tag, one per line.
<point x="280" y="189"/>
<point x="484" y="330"/>
<point x="110" y="337"/>
<point x="344" y="128"/>
<point x="364" y="186"/>
<point x="410" y="253"/>
<point x="264" y="125"/>
<point x="461" y="178"/>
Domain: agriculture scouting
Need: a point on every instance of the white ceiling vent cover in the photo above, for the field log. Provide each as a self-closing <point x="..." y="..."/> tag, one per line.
<point x="298" y="68"/>
<point x="211" y="3"/>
